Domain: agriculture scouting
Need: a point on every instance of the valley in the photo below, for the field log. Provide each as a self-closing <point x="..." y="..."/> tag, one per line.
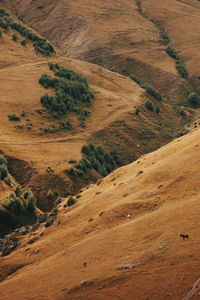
<point x="99" y="149"/>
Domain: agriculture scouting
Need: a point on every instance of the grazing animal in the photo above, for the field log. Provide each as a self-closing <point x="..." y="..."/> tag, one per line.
<point x="184" y="236"/>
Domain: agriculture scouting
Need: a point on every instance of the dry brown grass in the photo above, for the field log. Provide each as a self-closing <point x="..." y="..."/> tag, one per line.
<point x="166" y="267"/>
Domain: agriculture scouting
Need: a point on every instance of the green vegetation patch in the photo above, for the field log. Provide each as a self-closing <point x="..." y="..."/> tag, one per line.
<point x="147" y="87"/>
<point x="18" y="203"/>
<point x="72" y="93"/>
<point x="40" y="44"/>
<point x="94" y="157"/>
<point x="194" y="99"/>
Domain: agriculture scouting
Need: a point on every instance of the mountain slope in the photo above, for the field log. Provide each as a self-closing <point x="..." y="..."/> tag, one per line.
<point x="136" y="215"/>
<point x="132" y="38"/>
<point x="112" y="124"/>
<point x="66" y="124"/>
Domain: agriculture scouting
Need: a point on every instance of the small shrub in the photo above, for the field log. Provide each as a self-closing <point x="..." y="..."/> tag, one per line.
<point x="3" y="172"/>
<point x="72" y="161"/>
<point x="149" y="105"/>
<point x="14" y="37"/>
<point x="137" y="111"/>
<point x="171" y="52"/>
<point x="182" y="113"/>
<point x="17" y="191"/>
<point x="7" y="180"/>
<point x="164" y="36"/>
<point x="13" y="117"/>
<point x="85" y="149"/>
<point x="71" y="201"/>
<point x="157" y="110"/>
<point x="134" y="78"/>
<point x="194" y="99"/>
<point x="181" y="69"/>
<point x="23" y="114"/>
<point x="49" y="170"/>
<point x="31" y="203"/>
<point x="3" y="160"/>
<point x="23" y="42"/>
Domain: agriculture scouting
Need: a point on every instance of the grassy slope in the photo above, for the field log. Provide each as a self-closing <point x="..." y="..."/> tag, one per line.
<point x="127" y="42"/>
<point x="181" y="21"/>
<point x="166" y="267"/>
<point x="112" y="122"/>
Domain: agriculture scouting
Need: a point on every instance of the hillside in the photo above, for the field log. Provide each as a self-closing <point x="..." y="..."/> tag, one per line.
<point x="99" y="145"/>
<point x="31" y="143"/>
<point x="135" y="216"/>
<point x="127" y="36"/>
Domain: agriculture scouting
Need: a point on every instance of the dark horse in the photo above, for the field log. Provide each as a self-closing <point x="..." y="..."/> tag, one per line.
<point x="184" y="236"/>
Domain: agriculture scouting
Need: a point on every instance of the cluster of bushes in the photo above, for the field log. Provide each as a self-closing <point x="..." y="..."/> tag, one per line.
<point x="134" y="78"/>
<point x="82" y="117"/>
<point x="149" y="105"/>
<point x="4" y="174"/>
<point x="19" y="203"/>
<point x="164" y="36"/>
<point x="28" y="126"/>
<point x="181" y="69"/>
<point x="13" y="117"/>
<point x="72" y="93"/>
<point x="65" y="125"/>
<point x="147" y="87"/>
<point x="55" y="129"/>
<point x="179" y="64"/>
<point x="4" y="20"/>
<point x="152" y="92"/>
<point x="171" y="52"/>
<point x="97" y="159"/>
<point x="139" y="8"/>
<point x="40" y="44"/>
<point x="66" y="73"/>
